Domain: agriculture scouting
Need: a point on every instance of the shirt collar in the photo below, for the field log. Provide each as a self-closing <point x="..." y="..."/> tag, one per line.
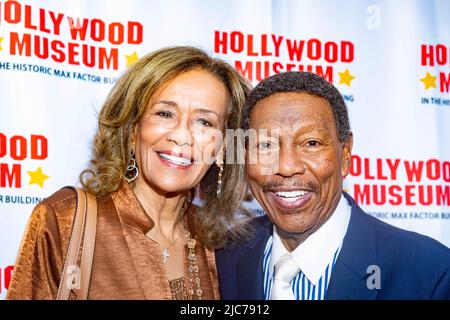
<point x="132" y="214"/>
<point x="315" y="253"/>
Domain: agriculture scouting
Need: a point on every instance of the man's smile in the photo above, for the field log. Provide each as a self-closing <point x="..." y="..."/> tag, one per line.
<point x="291" y="199"/>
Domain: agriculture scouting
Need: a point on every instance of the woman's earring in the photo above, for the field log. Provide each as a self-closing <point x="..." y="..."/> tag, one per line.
<point x="219" y="180"/>
<point x="132" y="170"/>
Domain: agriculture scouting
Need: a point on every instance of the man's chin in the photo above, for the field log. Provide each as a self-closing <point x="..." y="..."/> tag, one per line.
<point x="291" y="221"/>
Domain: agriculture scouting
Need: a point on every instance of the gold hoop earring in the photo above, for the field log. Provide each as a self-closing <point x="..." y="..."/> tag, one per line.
<point x="132" y="171"/>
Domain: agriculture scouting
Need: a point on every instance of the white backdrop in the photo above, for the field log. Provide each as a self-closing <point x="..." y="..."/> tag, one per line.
<point x="390" y="60"/>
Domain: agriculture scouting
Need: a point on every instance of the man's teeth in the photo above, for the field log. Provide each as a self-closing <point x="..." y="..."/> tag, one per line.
<point x="177" y="160"/>
<point x="291" y="196"/>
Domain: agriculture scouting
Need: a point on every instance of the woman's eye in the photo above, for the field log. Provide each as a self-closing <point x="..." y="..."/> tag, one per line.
<point x="205" y="122"/>
<point x="164" y="114"/>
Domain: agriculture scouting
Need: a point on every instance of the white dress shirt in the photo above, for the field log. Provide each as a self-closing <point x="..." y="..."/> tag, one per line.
<point x="318" y="251"/>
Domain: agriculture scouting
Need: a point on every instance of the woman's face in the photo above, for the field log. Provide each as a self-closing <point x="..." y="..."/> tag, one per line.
<point x="180" y="133"/>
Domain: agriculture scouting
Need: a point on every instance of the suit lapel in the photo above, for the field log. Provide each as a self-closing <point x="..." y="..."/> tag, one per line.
<point x="349" y="276"/>
<point x="345" y="284"/>
<point x="250" y="271"/>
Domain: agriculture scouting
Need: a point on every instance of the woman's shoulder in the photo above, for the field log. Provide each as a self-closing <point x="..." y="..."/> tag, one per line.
<point x="63" y="197"/>
<point x="45" y="239"/>
<point x="52" y="220"/>
<point x="61" y="204"/>
<point x="55" y="213"/>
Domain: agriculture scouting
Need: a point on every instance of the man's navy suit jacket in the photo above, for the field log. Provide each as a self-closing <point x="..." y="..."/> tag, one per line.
<point x="412" y="266"/>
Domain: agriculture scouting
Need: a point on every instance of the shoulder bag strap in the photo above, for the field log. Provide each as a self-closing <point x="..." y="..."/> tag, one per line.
<point x="85" y="221"/>
<point x="87" y="255"/>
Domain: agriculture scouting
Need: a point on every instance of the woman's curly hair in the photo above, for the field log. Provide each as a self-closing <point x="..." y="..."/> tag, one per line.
<point x="123" y="110"/>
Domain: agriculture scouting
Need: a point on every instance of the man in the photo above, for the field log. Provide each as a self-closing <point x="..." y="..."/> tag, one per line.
<point x="315" y="242"/>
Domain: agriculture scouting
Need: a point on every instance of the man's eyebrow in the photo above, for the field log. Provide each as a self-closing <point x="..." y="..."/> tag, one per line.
<point x="313" y="129"/>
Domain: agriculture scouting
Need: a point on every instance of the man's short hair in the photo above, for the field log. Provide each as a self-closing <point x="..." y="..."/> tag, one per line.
<point x="301" y="82"/>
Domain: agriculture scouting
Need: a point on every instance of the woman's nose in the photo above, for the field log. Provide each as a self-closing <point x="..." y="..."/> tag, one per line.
<point x="181" y="135"/>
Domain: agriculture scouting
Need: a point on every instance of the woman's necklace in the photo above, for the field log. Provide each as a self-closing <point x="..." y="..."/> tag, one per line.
<point x="165" y="251"/>
<point x="194" y="288"/>
<point x="193" y="268"/>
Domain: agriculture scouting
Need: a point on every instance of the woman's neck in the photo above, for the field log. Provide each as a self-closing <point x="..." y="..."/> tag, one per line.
<point x="162" y="209"/>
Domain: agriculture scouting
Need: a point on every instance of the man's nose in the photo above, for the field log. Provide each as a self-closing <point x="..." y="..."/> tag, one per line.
<point x="290" y="162"/>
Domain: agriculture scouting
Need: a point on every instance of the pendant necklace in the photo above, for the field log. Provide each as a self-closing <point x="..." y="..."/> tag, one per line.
<point x="165" y="251"/>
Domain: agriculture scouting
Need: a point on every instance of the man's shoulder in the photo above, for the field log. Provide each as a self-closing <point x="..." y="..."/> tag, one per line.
<point x="400" y="235"/>
<point x="412" y="265"/>
<point x="392" y="241"/>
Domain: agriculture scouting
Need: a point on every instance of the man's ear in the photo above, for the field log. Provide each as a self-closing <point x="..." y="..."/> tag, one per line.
<point x="347" y="155"/>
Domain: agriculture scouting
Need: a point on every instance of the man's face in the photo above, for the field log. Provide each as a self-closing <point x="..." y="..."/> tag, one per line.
<point x="304" y="189"/>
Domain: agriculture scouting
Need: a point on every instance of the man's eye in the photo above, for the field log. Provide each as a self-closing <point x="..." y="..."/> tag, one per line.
<point x="264" y="145"/>
<point x="164" y="114"/>
<point x="205" y="122"/>
<point x="312" y="143"/>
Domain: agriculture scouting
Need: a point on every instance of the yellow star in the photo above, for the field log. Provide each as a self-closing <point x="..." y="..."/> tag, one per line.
<point x="37" y="177"/>
<point x="346" y="77"/>
<point x="429" y="81"/>
<point x="132" y="58"/>
<point x="1" y="39"/>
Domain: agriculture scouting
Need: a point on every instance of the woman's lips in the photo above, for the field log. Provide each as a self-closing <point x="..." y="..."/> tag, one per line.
<point x="291" y="199"/>
<point x="173" y="160"/>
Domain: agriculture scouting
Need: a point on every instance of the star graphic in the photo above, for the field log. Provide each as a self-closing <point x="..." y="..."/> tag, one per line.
<point x="429" y="81"/>
<point x="1" y="39"/>
<point x="37" y="177"/>
<point x="346" y="77"/>
<point x="132" y="58"/>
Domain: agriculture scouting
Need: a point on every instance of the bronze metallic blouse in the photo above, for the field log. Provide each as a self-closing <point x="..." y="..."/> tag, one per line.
<point x="126" y="264"/>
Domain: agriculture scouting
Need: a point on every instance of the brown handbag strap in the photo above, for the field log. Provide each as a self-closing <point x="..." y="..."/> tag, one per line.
<point x="88" y="246"/>
<point x="83" y="236"/>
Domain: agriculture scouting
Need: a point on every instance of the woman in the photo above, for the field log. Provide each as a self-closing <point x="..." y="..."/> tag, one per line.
<point x="156" y="133"/>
